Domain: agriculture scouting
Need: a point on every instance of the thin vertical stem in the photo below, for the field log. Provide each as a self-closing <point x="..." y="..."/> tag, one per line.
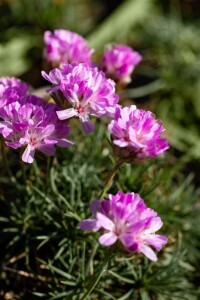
<point x="111" y="177"/>
<point x="4" y="156"/>
<point x="102" y="268"/>
<point x="50" y="160"/>
<point x="23" y="168"/>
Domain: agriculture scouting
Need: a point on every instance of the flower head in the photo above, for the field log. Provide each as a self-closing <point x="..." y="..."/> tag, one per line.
<point x="119" y="62"/>
<point x="86" y="90"/>
<point x="12" y="89"/>
<point x="33" y="125"/>
<point x="65" y="46"/>
<point x="126" y="218"/>
<point x="136" y="134"/>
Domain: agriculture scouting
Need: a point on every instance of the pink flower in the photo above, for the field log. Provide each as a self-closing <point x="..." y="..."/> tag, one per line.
<point x="33" y="125"/>
<point x="11" y="89"/>
<point x="65" y="46"/>
<point x="136" y="134"/>
<point x="126" y="218"/>
<point x="87" y="90"/>
<point x="119" y="62"/>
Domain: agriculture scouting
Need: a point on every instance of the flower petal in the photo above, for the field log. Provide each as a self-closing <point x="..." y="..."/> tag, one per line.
<point x="14" y="145"/>
<point x="89" y="224"/>
<point x="157" y="241"/>
<point x="28" y="155"/>
<point x="108" y="239"/>
<point x="105" y="222"/>
<point x="148" y="252"/>
<point x="66" y="113"/>
<point x="64" y="143"/>
<point x="47" y="149"/>
<point x="95" y="207"/>
<point x="128" y="242"/>
<point x="87" y="126"/>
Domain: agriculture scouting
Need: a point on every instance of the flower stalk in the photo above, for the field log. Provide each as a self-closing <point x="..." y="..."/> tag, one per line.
<point x="111" y="177"/>
<point x="102" y="268"/>
<point x="4" y="157"/>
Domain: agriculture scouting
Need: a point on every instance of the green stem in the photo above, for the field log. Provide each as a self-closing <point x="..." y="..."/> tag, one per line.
<point x="102" y="268"/>
<point x="23" y="168"/>
<point x="4" y="156"/>
<point x="50" y="160"/>
<point x="110" y="179"/>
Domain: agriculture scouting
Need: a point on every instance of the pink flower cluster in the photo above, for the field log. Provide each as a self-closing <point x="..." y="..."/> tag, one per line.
<point x="30" y="123"/>
<point x="11" y="89"/>
<point x="126" y="218"/>
<point x="64" y="46"/>
<point x="86" y="90"/>
<point x="136" y="134"/>
<point x="81" y="90"/>
<point x="119" y="62"/>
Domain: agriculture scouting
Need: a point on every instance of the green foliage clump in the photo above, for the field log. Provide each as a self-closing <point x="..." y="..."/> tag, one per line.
<point x="50" y="258"/>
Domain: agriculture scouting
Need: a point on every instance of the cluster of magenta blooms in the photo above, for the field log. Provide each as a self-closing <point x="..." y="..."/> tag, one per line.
<point x="82" y="89"/>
